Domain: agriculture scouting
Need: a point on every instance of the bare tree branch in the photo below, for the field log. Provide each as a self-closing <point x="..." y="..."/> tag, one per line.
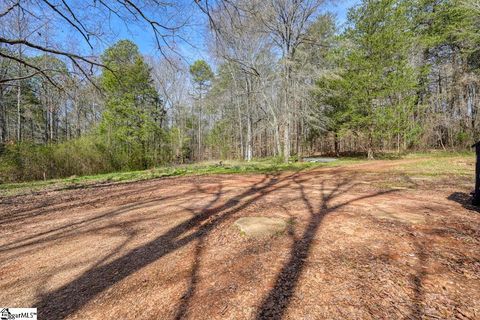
<point x="73" y="24"/>
<point x="25" y="63"/>
<point x="50" y="50"/>
<point x="71" y="17"/>
<point x="10" y="9"/>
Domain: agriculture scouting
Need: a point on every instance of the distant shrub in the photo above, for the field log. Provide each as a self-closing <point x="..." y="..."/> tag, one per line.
<point x="24" y="161"/>
<point x="27" y="161"/>
<point x="83" y="156"/>
<point x="88" y="155"/>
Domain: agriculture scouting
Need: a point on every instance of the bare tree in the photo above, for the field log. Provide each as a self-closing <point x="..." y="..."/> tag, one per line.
<point x="242" y="43"/>
<point x="287" y="22"/>
<point x="87" y="20"/>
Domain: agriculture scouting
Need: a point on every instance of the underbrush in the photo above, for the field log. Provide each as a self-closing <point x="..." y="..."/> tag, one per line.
<point x="85" y="161"/>
<point x="89" y="155"/>
<point x="26" y="162"/>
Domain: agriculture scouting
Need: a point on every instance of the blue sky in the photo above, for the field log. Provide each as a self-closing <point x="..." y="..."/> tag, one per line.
<point x="195" y="31"/>
<point x="340" y="9"/>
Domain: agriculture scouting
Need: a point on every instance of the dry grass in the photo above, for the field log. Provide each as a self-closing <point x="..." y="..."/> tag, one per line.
<point x="169" y="249"/>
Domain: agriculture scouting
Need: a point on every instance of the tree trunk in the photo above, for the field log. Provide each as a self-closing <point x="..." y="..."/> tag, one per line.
<point x="248" y="151"/>
<point x="370" y="145"/>
<point x="278" y="146"/>
<point x="52" y="125"/>
<point x="286" y="142"/>
<point x="335" y="145"/>
<point x="240" y="128"/>
<point x="77" y="125"/>
<point x="3" y="120"/>
<point x="287" y="114"/>
<point x="248" y="143"/>
<point x="19" y="111"/>
<point x="200" y="133"/>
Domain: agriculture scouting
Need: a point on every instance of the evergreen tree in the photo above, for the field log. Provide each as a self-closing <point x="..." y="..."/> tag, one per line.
<point x="374" y="93"/>
<point x="133" y="113"/>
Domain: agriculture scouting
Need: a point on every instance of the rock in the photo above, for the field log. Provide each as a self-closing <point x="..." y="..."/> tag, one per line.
<point x="261" y="226"/>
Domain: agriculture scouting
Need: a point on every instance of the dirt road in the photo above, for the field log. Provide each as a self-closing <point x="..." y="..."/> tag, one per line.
<point x="168" y="249"/>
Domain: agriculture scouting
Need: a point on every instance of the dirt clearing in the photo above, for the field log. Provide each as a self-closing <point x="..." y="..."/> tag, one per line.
<point x="353" y="248"/>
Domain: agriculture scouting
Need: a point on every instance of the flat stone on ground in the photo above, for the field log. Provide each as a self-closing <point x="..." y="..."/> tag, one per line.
<point x="260" y="226"/>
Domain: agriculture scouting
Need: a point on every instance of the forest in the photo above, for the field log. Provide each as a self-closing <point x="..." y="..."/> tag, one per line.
<point x="282" y="79"/>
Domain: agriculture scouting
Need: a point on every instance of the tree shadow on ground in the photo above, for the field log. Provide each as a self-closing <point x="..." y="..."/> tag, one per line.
<point x="71" y="228"/>
<point x="71" y="297"/>
<point x="276" y="302"/>
<point x="417" y="273"/>
<point x="417" y="310"/>
<point x="194" y="278"/>
<point x="50" y="204"/>
<point x="464" y="199"/>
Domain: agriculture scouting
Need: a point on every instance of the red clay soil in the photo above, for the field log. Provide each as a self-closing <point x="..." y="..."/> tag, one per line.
<point x="168" y="249"/>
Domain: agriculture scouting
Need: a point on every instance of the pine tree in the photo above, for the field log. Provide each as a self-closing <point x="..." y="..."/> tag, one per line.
<point x="131" y="122"/>
<point x="373" y="93"/>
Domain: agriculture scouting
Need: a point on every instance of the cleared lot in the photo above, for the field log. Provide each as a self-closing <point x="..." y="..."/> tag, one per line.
<point x="364" y="241"/>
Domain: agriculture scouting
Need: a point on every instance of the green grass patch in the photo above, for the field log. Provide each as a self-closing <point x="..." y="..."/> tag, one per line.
<point x="441" y="165"/>
<point x="431" y="170"/>
<point x="270" y="165"/>
<point x="430" y="166"/>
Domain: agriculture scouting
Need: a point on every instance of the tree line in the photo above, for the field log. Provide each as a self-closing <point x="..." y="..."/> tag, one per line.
<point x="284" y="80"/>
